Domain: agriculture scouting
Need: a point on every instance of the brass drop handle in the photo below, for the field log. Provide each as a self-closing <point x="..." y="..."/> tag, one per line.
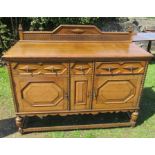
<point x="110" y="69"/>
<point x="131" y="68"/>
<point x="26" y="69"/>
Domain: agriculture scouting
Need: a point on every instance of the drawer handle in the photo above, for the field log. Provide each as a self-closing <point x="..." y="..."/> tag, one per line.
<point x="27" y="69"/>
<point x="53" y="69"/>
<point x="131" y="68"/>
<point x="110" y="69"/>
<point x="81" y="68"/>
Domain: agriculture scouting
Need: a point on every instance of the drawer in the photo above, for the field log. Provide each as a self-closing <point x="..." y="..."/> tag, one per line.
<point x="81" y="68"/>
<point x="39" y="68"/>
<point x="109" y="68"/>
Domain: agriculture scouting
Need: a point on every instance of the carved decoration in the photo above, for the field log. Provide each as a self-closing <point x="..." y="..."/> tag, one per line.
<point x="81" y="68"/>
<point x="39" y="68"/>
<point x="108" y="68"/>
<point x="55" y="69"/>
<point x="78" y="31"/>
<point x="120" y="68"/>
<point x="25" y="69"/>
<point x="134" y="67"/>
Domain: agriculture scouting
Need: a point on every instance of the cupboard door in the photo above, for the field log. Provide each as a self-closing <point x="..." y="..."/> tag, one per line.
<point x="81" y="92"/>
<point x="35" y="94"/>
<point x="114" y="92"/>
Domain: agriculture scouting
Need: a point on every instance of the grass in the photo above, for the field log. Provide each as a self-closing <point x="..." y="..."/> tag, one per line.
<point x="144" y="128"/>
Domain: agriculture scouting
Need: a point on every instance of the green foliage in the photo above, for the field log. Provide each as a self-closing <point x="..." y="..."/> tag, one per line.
<point x="47" y="23"/>
<point x="5" y="37"/>
<point x="9" y="25"/>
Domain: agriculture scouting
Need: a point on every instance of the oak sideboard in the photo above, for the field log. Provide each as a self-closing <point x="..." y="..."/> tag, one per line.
<point x="76" y="69"/>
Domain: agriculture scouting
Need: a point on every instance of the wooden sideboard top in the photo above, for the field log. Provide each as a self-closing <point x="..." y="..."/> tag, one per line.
<point x="75" y="41"/>
<point x="41" y="49"/>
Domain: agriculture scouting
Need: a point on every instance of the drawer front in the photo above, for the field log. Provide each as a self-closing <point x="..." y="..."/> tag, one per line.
<point x="39" y="68"/>
<point x="81" y="68"/>
<point x="110" y="68"/>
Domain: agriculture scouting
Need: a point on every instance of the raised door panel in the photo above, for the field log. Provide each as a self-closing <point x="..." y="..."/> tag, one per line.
<point x="41" y="94"/>
<point x="116" y="92"/>
<point x="81" y="92"/>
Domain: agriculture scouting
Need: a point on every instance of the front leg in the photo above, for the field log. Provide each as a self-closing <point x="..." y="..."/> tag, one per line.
<point x="19" y="123"/>
<point x="134" y="117"/>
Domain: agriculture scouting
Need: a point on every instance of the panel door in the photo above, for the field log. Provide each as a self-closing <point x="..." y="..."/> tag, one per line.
<point x="115" y="92"/>
<point x="81" y="92"/>
<point x="40" y="93"/>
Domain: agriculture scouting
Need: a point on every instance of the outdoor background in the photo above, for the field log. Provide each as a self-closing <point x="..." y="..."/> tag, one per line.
<point x="8" y="37"/>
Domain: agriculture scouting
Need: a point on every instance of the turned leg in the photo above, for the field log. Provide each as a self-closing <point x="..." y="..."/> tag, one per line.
<point x="19" y="123"/>
<point x="134" y="117"/>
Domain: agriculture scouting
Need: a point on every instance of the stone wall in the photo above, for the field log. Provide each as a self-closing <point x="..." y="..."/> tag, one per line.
<point x="139" y="25"/>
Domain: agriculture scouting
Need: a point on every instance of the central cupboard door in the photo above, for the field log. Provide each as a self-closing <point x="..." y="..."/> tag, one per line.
<point x="81" y="86"/>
